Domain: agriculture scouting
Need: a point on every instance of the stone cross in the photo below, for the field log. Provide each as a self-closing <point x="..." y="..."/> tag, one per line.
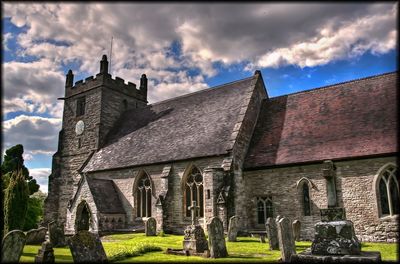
<point x="329" y="175"/>
<point x="194" y="209"/>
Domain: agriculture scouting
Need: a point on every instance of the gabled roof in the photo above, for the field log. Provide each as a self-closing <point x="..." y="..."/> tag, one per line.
<point x="105" y="196"/>
<point x="351" y="119"/>
<point x="195" y="125"/>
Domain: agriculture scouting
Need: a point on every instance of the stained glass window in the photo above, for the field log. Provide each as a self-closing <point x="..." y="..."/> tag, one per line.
<point x="143" y="195"/>
<point x="194" y="192"/>
<point x="388" y="191"/>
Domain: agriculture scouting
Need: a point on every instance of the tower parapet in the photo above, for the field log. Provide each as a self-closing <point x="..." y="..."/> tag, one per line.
<point x="103" y="78"/>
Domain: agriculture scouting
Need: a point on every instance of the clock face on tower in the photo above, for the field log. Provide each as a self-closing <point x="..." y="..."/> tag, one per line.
<point x="80" y="126"/>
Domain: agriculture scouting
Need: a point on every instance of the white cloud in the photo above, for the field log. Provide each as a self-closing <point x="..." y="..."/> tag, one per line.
<point x="374" y="32"/>
<point x="266" y="35"/>
<point x="42" y="177"/>
<point x="38" y="135"/>
<point x="31" y="86"/>
<point x="6" y="38"/>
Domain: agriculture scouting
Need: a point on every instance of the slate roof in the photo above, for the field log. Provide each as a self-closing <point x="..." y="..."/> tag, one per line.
<point x="190" y="126"/>
<point x="351" y="119"/>
<point x="105" y="196"/>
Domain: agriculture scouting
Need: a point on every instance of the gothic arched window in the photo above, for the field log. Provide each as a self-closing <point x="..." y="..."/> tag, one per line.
<point x="143" y="196"/>
<point x="388" y="191"/>
<point x="306" y="200"/>
<point x="194" y="192"/>
<point x="264" y="209"/>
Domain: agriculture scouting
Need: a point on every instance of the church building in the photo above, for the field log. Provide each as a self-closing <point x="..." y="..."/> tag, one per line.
<point x="232" y="149"/>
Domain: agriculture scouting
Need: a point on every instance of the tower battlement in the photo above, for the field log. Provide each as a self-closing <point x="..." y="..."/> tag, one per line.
<point x="105" y="79"/>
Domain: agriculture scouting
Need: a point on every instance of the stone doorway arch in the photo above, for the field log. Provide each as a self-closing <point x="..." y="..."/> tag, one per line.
<point x="83" y="217"/>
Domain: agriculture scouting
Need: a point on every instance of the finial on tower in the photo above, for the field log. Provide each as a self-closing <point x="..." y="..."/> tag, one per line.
<point x="104" y="64"/>
<point x="143" y="84"/>
<point x="69" y="82"/>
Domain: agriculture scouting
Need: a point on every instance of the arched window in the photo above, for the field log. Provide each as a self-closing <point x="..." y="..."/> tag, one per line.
<point x="388" y="191"/>
<point x="306" y="200"/>
<point x="143" y="196"/>
<point x="194" y="191"/>
<point x="264" y="209"/>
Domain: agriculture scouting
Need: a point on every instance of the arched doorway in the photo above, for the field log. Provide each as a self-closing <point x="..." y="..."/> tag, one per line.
<point x="83" y="217"/>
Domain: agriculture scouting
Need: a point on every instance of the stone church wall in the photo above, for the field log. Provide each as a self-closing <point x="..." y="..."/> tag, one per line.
<point x="355" y="191"/>
<point x="174" y="220"/>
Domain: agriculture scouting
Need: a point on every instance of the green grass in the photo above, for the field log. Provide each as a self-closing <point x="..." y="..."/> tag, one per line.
<point x="139" y="248"/>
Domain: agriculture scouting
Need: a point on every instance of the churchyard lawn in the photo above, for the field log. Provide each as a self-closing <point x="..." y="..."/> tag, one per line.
<point x="151" y="249"/>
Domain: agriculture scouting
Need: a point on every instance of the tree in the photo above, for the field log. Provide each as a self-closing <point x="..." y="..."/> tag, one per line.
<point x="15" y="202"/>
<point x="13" y="161"/>
<point x="34" y="212"/>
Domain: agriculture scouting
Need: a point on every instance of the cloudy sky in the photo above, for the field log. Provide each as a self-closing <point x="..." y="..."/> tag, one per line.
<point x="182" y="48"/>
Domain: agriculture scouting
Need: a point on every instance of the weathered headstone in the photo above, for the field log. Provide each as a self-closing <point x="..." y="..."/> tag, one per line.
<point x="150" y="227"/>
<point x="36" y="236"/>
<point x="232" y="229"/>
<point x="216" y="238"/>
<point x="194" y="240"/>
<point x="272" y="234"/>
<point x="45" y="254"/>
<point x="335" y="238"/>
<point x="296" y="229"/>
<point x="86" y="247"/>
<point x="56" y="234"/>
<point x="286" y="241"/>
<point x="12" y="246"/>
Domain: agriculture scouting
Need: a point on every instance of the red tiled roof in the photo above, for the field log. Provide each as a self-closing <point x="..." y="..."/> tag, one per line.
<point x="352" y="119"/>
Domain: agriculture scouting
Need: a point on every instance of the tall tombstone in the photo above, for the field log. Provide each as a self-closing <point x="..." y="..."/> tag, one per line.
<point x="150" y="227"/>
<point x="86" y="247"/>
<point x="232" y="229"/>
<point x="36" y="236"/>
<point x="216" y="238"/>
<point x="272" y="234"/>
<point x="296" y="229"/>
<point x="56" y="234"/>
<point x="286" y="241"/>
<point x="12" y="246"/>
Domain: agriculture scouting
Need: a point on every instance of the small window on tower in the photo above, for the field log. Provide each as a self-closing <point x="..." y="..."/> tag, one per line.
<point x="80" y="106"/>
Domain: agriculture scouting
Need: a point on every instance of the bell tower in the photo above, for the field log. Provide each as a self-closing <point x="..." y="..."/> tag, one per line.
<point x="91" y="108"/>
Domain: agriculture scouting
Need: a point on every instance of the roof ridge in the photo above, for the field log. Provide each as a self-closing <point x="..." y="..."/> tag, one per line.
<point x="202" y="90"/>
<point x="336" y="84"/>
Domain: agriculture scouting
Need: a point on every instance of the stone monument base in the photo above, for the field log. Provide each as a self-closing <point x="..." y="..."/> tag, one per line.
<point x="195" y="240"/>
<point x="363" y="257"/>
<point x="335" y="238"/>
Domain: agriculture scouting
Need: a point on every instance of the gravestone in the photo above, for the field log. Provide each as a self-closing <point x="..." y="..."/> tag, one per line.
<point x="194" y="240"/>
<point x="216" y="238"/>
<point x="296" y="229"/>
<point x="232" y="229"/>
<point x="335" y="238"/>
<point x="86" y="247"/>
<point x="12" y="246"/>
<point x="272" y="234"/>
<point x="150" y="227"/>
<point x="56" y="234"/>
<point x="45" y="254"/>
<point x="286" y="241"/>
<point x="36" y="236"/>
